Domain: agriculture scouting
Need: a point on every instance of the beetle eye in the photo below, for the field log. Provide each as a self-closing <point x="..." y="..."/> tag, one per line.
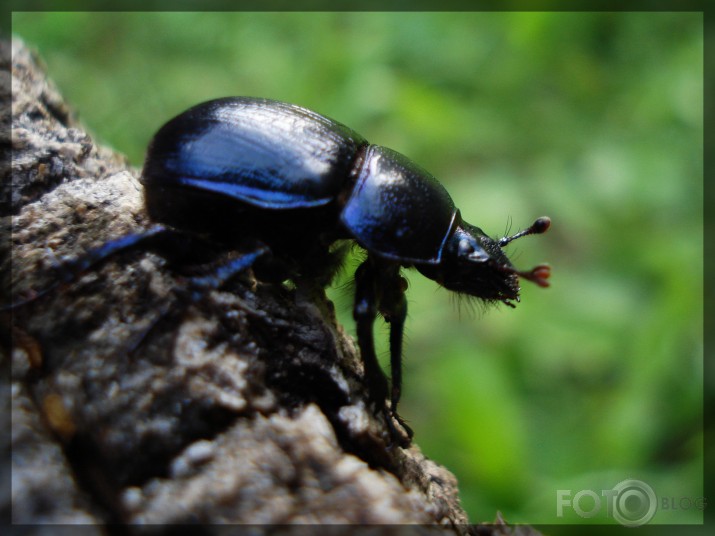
<point x="466" y="248"/>
<point x="471" y="251"/>
<point x="478" y="255"/>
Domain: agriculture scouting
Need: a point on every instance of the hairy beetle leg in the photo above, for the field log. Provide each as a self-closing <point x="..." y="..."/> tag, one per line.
<point x="69" y="271"/>
<point x="196" y="288"/>
<point x="199" y="286"/>
<point x="393" y="307"/>
<point x="379" y="286"/>
<point x="402" y="439"/>
<point x="365" y="312"/>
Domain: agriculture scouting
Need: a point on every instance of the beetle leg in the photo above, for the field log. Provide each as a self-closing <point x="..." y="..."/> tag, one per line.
<point x="393" y="307"/>
<point x="197" y="288"/>
<point x="367" y="280"/>
<point x="70" y="271"/>
<point x="200" y="285"/>
<point x="364" y="312"/>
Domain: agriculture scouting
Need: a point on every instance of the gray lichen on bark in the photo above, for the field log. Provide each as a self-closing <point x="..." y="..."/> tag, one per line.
<point x="247" y="406"/>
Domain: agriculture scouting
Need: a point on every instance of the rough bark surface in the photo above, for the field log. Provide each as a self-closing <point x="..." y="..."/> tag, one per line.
<point x="247" y="406"/>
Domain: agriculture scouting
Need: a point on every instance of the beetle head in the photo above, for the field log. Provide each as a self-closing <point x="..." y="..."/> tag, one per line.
<point x="475" y="264"/>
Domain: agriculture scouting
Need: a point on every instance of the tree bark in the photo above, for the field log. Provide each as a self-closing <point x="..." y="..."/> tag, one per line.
<point x="129" y="406"/>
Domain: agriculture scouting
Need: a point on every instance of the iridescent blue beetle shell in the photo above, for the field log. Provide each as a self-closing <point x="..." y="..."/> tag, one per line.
<point x="280" y="157"/>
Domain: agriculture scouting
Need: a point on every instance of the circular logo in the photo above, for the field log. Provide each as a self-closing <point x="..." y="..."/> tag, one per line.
<point x="635" y="503"/>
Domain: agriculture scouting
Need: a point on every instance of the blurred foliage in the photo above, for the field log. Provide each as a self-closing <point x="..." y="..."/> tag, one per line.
<point x="595" y="119"/>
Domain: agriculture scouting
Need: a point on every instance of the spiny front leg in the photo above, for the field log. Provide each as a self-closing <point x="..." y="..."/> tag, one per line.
<point x="367" y="294"/>
<point x="364" y="312"/>
<point x="393" y="307"/>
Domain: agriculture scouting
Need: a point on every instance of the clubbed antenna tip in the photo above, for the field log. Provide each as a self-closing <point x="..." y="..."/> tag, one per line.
<point x="539" y="274"/>
<point x="541" y="225"/>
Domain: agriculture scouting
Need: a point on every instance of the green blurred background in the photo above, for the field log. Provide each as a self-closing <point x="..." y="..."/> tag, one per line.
<point x="595" y="119"/>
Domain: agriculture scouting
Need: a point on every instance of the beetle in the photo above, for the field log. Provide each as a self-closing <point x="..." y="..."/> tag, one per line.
<point x="284" y="184"/>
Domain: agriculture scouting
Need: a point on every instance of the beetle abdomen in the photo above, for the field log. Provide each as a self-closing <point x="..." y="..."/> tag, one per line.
<point x="265" y="153"/>
<point x="397" y="209"/>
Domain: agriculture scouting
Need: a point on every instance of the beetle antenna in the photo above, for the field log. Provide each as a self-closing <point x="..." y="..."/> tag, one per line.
<point x="509" y="223"/>
<point x="541" y="225"/>
<point x="539" y="274"/>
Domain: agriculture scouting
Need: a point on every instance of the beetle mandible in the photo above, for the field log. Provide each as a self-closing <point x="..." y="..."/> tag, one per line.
<point x="286" y="183"/>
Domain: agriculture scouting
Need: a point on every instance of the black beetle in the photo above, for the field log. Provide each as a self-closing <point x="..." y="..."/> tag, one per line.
<point x="286" y="183"/>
